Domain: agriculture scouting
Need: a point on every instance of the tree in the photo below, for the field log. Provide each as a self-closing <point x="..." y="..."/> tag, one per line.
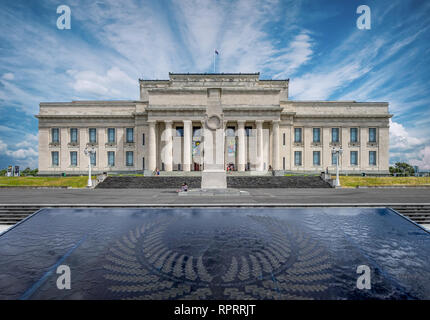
<point x="402" y="169"/>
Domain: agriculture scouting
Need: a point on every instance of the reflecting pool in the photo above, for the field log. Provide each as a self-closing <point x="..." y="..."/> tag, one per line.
<point x="216" y="253"/>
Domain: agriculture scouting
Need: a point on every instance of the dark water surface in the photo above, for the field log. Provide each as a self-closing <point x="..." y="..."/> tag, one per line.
<point x="215" y="253"/>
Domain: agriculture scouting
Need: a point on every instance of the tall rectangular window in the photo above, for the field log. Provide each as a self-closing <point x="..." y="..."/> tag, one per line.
<point x="298" y="135"/>
<point x="230" y="132"/>
<point x="111" y="158"/>
<point x="73" y="158"/>
<point x="111" y="135"/>
<point x="55" y="133"/>
<point x="129" y="158"/>
<point x="316" y="135"/>
<point x="248" y="131"/>
<point x="354" y="158"/>
<point x="335" y="135"/>
<point x="93" y="135"/>
<point x="143" y="139"/>
<point x="317" y="158"/>
<point x="372" y="134"/>
<point x="372" y="158"/>
<point x="93" y="159"/>
<point x="54" y="157"/>
<point x="353" y="133"/>
<point x="179" y="131"/>
<point x="283" y="139"/>
<point x="73" y="135"/>
<point x="197" y="131"/>
<point x="283" y="163"/>
<point x="333" y="158"/>
<point x="297" y="158"/>
<point x="130" y="135"/>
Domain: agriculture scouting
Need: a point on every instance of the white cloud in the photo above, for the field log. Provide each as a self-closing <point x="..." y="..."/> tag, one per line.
<point x="405" y="147"/>
<point x="422" y="159"/>
<point x="23" y="153"/>
<point x="8" y="76"/>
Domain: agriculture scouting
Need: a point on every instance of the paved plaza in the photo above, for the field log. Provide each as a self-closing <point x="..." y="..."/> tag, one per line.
<point x="256" y="196"/>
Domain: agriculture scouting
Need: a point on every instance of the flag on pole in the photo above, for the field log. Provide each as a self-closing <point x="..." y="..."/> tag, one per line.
<point x="216" y="51"/>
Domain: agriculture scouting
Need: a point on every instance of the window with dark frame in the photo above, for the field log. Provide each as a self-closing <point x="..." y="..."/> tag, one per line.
<point x="73" y="135"/>
<point x="93" y="135"/>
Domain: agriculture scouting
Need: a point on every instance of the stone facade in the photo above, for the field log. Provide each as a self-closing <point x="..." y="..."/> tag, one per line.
<point x="262" y="129"/>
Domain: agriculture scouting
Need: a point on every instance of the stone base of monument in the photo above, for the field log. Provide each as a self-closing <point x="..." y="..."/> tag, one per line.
<point x="214" y="179"/>
<point x="214" y="192"/>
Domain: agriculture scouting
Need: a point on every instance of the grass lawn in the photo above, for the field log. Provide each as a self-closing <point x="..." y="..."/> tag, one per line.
<point x="354" y="181"/>
<point x="75" y="182"/>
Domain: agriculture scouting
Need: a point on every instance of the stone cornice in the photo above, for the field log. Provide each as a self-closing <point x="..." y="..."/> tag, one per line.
<point x="343" y="116"/>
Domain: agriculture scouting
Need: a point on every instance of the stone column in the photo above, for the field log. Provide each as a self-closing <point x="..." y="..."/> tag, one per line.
<point x="275" y="154"/>
<point x="241" y="145"/>
<point x="260" y="158"/>
<point x="202" y="146"/>
<point x="187" y="145"/>
<point x="152" y="147"/>
<point x="168" y="147"/>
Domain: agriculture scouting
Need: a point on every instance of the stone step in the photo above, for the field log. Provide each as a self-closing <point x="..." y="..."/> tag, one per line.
<point x="169" y="182"/>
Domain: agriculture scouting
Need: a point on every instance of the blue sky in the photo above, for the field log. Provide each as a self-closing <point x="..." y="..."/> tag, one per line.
<point x="314" y="43"/>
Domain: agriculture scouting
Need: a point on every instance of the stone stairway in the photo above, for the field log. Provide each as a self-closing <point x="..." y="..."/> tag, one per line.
<point x="244" y="182"/>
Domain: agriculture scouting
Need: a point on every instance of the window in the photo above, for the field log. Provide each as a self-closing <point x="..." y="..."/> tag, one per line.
<point x="372" y="158"/>
<point x="316" y="135"/>
<point x="54" y="156"/>
<point x="298" y="135"/>
<point x="230" y="131"/>
<point x="179" y="131"/>
<point x="143" y="139"/>
<point x="111" y="158"/>
<point x="283" y="163"/>
<point x="73" y="135"/>
<point x="317" y="158"/>
<point x="248" y="131"/>
<point x="333" y="158"/>
<point x="111" y="135"/>
<point x="353" y="134"/>
<point x="372" y="134"/>
<point x="129" y="158"/>
<point x="297" y="158"/>
<point x="129" y="135"/>
<point x="283" y="139"/>
<point x="335" y="135"/>
<point x="93" y="135"/>
<point x="354" y="158"/>
<point x="55" y="135"/>
<point x="143" y="163"/>
<point x="73" y="158"/>
<point x="197" y="131"/>
<point x="93" y="159"/>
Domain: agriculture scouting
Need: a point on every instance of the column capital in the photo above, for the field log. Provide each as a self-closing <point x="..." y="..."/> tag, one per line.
<point x="168" y="121"/>
<point x="186" y="121"/>
<point x="276" y="121"/>
<point x="241" y="121"/>
<point x="259" y="121"/>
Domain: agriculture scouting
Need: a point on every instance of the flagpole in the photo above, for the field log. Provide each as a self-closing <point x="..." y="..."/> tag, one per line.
<point x="214" y="61"/>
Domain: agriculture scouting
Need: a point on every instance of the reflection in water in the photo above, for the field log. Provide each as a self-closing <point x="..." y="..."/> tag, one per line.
<point x="216" y="253"/>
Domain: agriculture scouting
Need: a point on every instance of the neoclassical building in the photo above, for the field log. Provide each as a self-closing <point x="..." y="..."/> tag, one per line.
<point x="262" y="128"/>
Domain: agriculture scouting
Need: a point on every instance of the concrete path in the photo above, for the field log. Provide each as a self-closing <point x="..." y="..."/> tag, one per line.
<point x="256" y="196"/>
